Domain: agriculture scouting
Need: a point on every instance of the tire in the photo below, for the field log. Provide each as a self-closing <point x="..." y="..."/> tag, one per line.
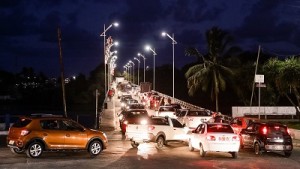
<point x="257" y="149"/>
<point x="34" y="150"/>
<point x="191" y="148"/>
<point x="134" y="144"/>
<point x="17" y="151"/>
<point x="234" y="154"/>
<point x="202" y="152"/>
<point x="95" y="148"/>
<point x="287" y="153"/>
<point x="160" y="142"/>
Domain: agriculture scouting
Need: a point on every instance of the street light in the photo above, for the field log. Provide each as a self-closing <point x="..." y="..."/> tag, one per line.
<point x="173" y="43"/>
<point x="138" y="69"/>
<point x="103" y="34"/>
<point x="133" y="70"/>
<point x="139" y="54"/>
<point x="147" y="47"/>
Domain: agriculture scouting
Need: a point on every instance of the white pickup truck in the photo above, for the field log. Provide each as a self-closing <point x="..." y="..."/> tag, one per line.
<point x="159" y="130"/>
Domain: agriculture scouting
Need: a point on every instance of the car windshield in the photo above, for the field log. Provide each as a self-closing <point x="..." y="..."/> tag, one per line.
<point x="222" y="128"/>
<point x="22" y="122"/>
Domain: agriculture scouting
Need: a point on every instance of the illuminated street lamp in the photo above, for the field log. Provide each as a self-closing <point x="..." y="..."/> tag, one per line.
<point x="103" y="34"/>
<point x="139" y="54"/>
<point x="133" y="70"/>
<point x="147" y="47"/>
<point x="138" y="69"/>
<point x="173" y="43"/>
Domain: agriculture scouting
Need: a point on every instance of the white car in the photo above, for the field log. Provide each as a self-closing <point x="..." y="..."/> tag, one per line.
<point x="214" y="137"/>
<point x="164" y="111"/>
<point x="192" y="118"/>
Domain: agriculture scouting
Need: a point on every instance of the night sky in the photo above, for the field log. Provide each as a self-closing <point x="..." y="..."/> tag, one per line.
<point x="28" y="30"/>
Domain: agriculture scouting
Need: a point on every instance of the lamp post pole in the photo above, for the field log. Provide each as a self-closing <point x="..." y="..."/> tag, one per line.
<point x="131" y="62"/>
<point x="173" y="43"/>
<point x="139" y="54"/>
<point x="154" y="54"/>
<point x="138" y="69"/>
<point x="103" y="34"/>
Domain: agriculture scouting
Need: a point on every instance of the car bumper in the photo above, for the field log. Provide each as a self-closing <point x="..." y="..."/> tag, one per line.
<point x="278" y="147"/>
<point x="138" y="137"/>
<point x="223" y="147"/>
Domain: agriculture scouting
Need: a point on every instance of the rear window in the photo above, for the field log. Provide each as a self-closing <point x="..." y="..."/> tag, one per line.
<point x="22" y="122"/>
<point x="211" y="128"/>
<point x="198" y="113"/>
<point x="134" y="114"/>
<point x="277" y="129"/>
<point x="159" y="121"/>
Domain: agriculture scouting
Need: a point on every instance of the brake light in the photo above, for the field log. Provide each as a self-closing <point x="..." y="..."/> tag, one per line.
<point x="264" y="130"/>
<point x="25" y="132"/>
<point x="125" y="122"/>
<point x="276" y="127"/>
<point x="288" y="130"/>
<point x="151" y="128"/>
<point x="211" y="138"/>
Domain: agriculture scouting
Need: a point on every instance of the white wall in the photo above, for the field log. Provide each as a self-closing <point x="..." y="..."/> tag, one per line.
<point x="255" y="110"/>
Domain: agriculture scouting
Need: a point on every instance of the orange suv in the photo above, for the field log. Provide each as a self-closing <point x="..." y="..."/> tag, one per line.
<point x="38" y="133"/>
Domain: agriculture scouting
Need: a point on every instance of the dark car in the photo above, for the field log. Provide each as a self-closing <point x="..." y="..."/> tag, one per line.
<point x="267" y="137"/>
<point x="135" y="106"/>
<point x="133" y="116"/>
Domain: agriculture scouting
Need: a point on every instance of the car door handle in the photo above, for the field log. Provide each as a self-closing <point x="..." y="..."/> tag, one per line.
<point x="67" y="135"/>
<point x="174" y="129"/>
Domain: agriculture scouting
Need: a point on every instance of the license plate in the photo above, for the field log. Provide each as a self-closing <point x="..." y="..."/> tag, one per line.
<point x="11" y="142"/>
<point x="276" y="147"/>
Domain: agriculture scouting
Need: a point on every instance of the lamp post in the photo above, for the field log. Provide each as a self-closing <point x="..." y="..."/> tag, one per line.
<point x="129" y="71"/>
<point x="125" y="71"/>
<point x="173" y="43"/>
<point x="139" y="54"/>
<point x="138" y="69"/>
<point x="131" y="62"/>
<point x="154" y="54"/>
<point x="103" y="34"/>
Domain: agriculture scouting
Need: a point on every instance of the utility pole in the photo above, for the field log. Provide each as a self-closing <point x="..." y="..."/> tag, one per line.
<point x="62" y="70"/>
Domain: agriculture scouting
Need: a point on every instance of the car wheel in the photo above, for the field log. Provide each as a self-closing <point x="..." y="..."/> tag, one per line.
<point x="17" y="151"/>
<point x="95" y="148"/>
<point x="202" y="152"/>
<point x="257" y="149"/>
<point x="191" y="148"/>
<point x="234" y="154"/>
<point x="34" y="150"/>
<point x="287" y="153"/>
<point x="134" y="144"/>
<point x="160" y="142"/>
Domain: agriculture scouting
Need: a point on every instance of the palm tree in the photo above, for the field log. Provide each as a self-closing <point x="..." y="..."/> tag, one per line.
<point x="210" y="73"/>
<point x="286" y="77"/>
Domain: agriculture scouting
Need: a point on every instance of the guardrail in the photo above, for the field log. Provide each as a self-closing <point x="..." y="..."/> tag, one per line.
<point x="182" y="103"/>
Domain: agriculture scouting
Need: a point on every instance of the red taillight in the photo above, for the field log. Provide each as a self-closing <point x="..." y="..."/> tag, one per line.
<point x="24" y="132"/>
<point x="288" y="130"/>
<point x="151" y="128"/>
<point x="264" y="130"/>
<point x="125" y="122"/>
<point x="211" y="138"/>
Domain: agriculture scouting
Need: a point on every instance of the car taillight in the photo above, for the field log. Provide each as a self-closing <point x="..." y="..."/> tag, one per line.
<point x="235" y="138"/>
<point x="125" y="122"/>
<point x="24" y="132"/>
<point x="288" y="130"/>
<point x="211" y="138"/>
<point x="151" y="128"/>
<point x="264" y="130"/>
